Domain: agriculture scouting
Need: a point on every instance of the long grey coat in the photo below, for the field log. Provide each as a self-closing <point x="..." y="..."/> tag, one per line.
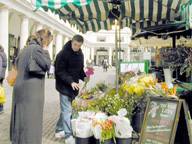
<point x="28" y="98"/>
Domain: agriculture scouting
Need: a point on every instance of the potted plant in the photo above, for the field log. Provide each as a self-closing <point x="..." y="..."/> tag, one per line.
<point x="175" y="59"/>
<point x="186" y="66"/>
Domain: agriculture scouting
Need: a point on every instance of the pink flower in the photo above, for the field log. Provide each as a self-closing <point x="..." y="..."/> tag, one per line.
<point x="90" y="71"/>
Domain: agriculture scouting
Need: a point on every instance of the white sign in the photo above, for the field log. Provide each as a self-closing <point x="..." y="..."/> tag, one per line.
<point x="125" y="67"/>
<point x="146" y="56"/>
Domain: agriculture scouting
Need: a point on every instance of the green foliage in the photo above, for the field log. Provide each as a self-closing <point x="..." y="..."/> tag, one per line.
<point x="173" y="57"/>
<point x="186" y="67"/>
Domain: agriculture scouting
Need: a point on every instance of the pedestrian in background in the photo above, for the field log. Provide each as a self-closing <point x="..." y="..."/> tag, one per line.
<point x="68" y="70"/>
<point x="28" y="92"/>
<point x="3" y="67"/>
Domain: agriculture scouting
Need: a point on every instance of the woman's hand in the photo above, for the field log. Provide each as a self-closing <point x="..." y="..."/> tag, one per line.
<point x="75" y="86"/>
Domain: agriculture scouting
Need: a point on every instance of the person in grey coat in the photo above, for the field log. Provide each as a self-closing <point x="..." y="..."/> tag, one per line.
<point x="28" y="92"/>
<point x="3" y="67"/>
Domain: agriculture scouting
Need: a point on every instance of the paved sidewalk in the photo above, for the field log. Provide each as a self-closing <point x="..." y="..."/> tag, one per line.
<point x="51" y="106"/>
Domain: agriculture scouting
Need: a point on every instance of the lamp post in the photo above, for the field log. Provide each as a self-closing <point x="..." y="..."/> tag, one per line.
<point x="114" y="14"/>
<point x="116" y="53"/>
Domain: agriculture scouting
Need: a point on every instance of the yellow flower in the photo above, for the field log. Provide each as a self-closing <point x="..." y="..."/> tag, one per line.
<point x="146" y="79"/>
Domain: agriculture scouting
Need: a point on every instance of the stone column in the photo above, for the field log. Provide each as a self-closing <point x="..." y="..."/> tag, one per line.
<point x="50" y="48"/>
<point x="84" y="53"/>
<point x="58" y="42"/>
<point x="88" y="53"/>
<point x="110" y="56"/>
<point x="66" y="39"/>
<point x="24" y="30"/>
<point x="4" y="30"/>
<point x="39" y="26"/>
<point x="128" y="54"/>
<point x="92" y="53"/>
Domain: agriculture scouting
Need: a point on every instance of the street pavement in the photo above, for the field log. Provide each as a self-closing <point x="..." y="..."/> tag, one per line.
<point x="51" y="106"/>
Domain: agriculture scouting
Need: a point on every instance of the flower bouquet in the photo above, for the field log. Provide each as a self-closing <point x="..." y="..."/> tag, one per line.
<point x="126" y="76"/>
<point x="104" y="130"/>
<point x="84" y="98"/>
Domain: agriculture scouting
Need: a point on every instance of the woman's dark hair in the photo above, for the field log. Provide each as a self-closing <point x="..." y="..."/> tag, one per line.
<point x="1" y="47"/>
<point x="78" y="38"/>
<point x="43" y="37"/>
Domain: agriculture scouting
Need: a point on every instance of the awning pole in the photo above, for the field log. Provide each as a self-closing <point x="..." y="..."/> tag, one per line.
<point x="119" y="43"/>
<point x="174" y="41"/>
<point x="117" y="64"/>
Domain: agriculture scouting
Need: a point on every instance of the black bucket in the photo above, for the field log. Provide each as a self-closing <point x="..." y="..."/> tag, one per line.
<point x="89" y="140"/>
<point x="123" y="140"/>
<point x="137" y="120"/>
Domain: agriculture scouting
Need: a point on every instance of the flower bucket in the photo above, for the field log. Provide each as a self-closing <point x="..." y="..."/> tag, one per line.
<point x="168" y="77"/>
<point x="123" y="140"/>
<point x="107" y="141"/>
<point x="89" y="140"/>
<point x="137" y="119"/>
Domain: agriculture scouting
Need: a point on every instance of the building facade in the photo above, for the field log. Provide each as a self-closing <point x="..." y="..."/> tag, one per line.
<point x="18" y="21"/>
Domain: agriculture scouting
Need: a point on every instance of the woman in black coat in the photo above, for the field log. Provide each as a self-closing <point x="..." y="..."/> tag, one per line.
<point x="28" y="92"/>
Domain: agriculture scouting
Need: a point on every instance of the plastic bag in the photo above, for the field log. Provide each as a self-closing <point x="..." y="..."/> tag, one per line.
<point x="96" y="131"/>
<point x="123" y="129"/>
<point x="81" y="128"/>
<point x="100" y="116"/>
<point x="2" y="95"/>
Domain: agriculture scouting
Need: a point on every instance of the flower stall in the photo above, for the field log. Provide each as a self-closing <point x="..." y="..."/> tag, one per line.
<point x="109" y="116"/>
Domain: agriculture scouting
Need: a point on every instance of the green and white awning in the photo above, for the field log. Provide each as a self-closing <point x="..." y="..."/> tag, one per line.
<point x="92" y="15"/>
<point x="57" y="4"/>
<point x="186" y="14"/>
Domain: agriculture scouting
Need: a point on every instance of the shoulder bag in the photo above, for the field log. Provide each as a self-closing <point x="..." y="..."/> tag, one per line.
<point x="33" y="67"/>
<point x="12" y="76"/>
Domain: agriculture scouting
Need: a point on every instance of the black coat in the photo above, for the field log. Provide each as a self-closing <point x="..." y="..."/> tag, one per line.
<point x="68" y="69"/>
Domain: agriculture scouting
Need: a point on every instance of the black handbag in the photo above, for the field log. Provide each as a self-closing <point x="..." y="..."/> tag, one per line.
<point x="33" y="67"/>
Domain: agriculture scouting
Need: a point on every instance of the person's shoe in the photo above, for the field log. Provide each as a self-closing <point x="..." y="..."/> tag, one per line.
<point x="70" y="140"/>
<point x="60" y="134"/>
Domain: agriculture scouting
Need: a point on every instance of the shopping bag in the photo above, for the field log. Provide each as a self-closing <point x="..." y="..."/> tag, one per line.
<point x="2" y="95"/>
<point x="12" y="76"/>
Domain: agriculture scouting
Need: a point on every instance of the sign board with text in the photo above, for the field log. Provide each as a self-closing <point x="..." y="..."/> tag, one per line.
<point x="133" y="66"/>
<point x="163" y="118"/>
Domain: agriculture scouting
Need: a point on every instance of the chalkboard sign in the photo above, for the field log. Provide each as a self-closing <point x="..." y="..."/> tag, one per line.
<point x="162" y="120"/>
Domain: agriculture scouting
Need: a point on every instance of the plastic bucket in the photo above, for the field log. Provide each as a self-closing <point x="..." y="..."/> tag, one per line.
<point x="124" y="140"/>
<point x="137" y="120"/>
<point x="89" y="140"/>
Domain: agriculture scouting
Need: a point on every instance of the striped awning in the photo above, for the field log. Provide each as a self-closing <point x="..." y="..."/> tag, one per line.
<point x="57" y="4"/>
<point x="92" y="15"/>
<point x="186" y="14"/>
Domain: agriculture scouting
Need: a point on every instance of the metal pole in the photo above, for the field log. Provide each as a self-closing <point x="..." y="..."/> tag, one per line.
<point x="119" y="43"/>
<point x="174" y="41"/>
<point x="117" y="64"/>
